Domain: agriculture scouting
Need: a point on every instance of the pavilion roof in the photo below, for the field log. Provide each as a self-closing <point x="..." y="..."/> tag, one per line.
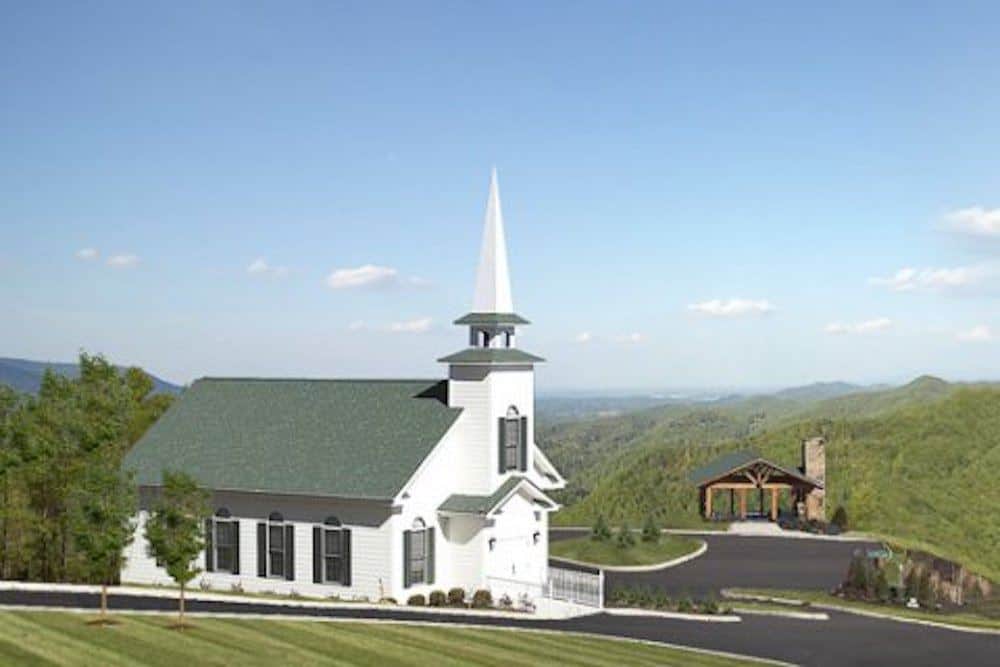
<point x="734" y="462"/>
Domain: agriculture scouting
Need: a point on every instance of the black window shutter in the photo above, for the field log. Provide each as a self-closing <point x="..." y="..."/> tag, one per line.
<point x="317" y="555"/>
<point x="429" y="541"/>
<point x="501" y="441"/>
<point x="236" y="547"/>
<point x="406" y="559"/>
<point x="261" y="549"/>
<point x="209" y="560"/>
<point x="345" y="557"/>
<point x="290" y="552"/>
<point x="523" y="454"/>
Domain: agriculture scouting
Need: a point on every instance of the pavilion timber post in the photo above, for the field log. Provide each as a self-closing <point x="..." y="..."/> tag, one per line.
<point x="774" y="503"/>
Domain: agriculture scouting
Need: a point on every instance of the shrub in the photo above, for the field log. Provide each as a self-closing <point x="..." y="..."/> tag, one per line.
<point x="926" y="595"/>
<point x="625" y="538"/>
<point x="710" y="606"/>
<point x="505" y="602"/>
<point x="436" y="599"/>
<point x="388" y="601"/>
<point x="685" y="606"/>
<point x="417" y="600"/>
<point x="456" y="597"/>
<point x="912" y="583"/>
<point x="482" y="599"/>
<point x="600" y="532"/>
<point x="840" y="518"/>
<point x="881" y="586"/>
<point x="237" y="587"/>
<point x="650" y="531"/>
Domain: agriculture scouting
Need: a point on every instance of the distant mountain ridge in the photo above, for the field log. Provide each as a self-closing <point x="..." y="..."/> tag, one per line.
<point x="25" y="375"/>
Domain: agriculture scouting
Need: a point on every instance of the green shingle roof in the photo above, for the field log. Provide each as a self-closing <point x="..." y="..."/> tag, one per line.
<point x="341" y="438"/>
<point x="491" y="355"/>
<point x="487" y="319"/>
<point x="728" y="463"/>
<point x="471" y="504"/>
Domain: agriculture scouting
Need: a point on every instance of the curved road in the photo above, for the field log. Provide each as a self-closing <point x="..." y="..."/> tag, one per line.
<point x="842" y="641"/>
<point x="743" y="561"/>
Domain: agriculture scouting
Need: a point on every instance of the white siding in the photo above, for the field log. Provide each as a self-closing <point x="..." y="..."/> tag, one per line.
<point x="370" y="550"/>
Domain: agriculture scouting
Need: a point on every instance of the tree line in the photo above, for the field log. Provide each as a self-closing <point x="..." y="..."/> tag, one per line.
<point x="61" y="481"/>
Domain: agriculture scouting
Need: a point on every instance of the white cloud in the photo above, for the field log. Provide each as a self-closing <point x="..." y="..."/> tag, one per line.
<point x="356" y="325"/>
<point x="87" y="254"/>
<point x="260" y="267"/>
<point x="908" y="278"/>
<point x="583" y="337"/>
<point x="732" y="307"/>
<point x="977" y="334"/>
<point x="123" y="261"/>
<point x="420" y="325"/>
<point x="866" y="327"/>
<point x="368" y="275"/>
<point x="630" y="338"/>
<point x="976" y="221"/>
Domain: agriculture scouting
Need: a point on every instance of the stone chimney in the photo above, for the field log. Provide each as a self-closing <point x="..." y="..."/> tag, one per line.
<point x="814" y="466"/>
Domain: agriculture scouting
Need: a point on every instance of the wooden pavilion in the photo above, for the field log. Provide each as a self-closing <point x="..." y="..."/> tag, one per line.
<point x="746" y="471"/>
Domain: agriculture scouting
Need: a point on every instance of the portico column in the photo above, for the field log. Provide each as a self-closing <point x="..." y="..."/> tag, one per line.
<point x="774" y="503"/>
<point x="708" y="502"/>
<point x="743" y="503"/>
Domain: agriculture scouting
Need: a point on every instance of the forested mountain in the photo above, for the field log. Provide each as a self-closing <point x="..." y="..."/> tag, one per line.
<point x="918" y="462"/>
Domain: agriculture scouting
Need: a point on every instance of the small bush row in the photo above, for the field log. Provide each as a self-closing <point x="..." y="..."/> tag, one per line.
<point x="455" y="597"/>
<point x="648" y="598"/>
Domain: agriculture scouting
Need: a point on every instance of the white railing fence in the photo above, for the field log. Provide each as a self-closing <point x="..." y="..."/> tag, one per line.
<point x="577" y="587"/>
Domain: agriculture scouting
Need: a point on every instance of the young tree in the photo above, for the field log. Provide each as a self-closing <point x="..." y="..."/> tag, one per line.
<point x="175" y="529"/>
<point x="926" y="593"/>
<point x="600" y="532"/>
<point x="101" y="522"/>
<point x="840" y="518"/>
<point x="625" y="538"/>
<point x="650" y="531"/>
<point x="881" y="585"/>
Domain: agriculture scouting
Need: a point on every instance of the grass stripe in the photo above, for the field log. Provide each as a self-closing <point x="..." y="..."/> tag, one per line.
<point x="53" y="639"/>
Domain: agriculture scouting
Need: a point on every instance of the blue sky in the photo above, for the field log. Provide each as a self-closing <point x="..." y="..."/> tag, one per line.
<point x="696" y="195"/>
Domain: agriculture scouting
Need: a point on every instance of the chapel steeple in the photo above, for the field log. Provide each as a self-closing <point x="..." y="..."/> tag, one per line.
<point x="492" y="321"/>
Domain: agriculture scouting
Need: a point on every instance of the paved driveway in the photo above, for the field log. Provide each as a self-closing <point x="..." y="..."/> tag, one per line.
<point x="843" y="641"/>
<point x="744" y="561"/>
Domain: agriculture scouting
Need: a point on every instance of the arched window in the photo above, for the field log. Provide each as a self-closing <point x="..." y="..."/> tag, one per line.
<point x="222" y="543"/>
<point x="418" y="550"/>
<point x="332" y="553"/>
<point x="278" y="537"/>
<point x="512" y="440"/>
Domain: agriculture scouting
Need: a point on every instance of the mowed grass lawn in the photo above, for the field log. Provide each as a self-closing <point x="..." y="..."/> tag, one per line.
<point x="62" y="638"/>
<point x="607" y="552"/>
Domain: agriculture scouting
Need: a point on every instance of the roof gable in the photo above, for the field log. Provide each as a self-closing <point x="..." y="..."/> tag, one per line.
<point x="338" y="438"/>
<point x="483" y="505"/>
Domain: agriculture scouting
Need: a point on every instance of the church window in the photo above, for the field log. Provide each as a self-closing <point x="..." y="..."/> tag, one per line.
<point x="418" y="554"/>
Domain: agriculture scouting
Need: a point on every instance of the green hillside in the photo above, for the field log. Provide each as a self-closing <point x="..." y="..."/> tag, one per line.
<point x="920" y="463"/>
<point x="586" y="451"/>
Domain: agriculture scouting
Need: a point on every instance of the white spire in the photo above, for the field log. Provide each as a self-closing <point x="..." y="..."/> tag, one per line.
<point x="493" y="278"/>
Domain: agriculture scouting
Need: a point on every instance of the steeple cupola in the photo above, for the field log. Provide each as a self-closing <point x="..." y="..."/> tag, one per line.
<point x="492" y="322"/>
